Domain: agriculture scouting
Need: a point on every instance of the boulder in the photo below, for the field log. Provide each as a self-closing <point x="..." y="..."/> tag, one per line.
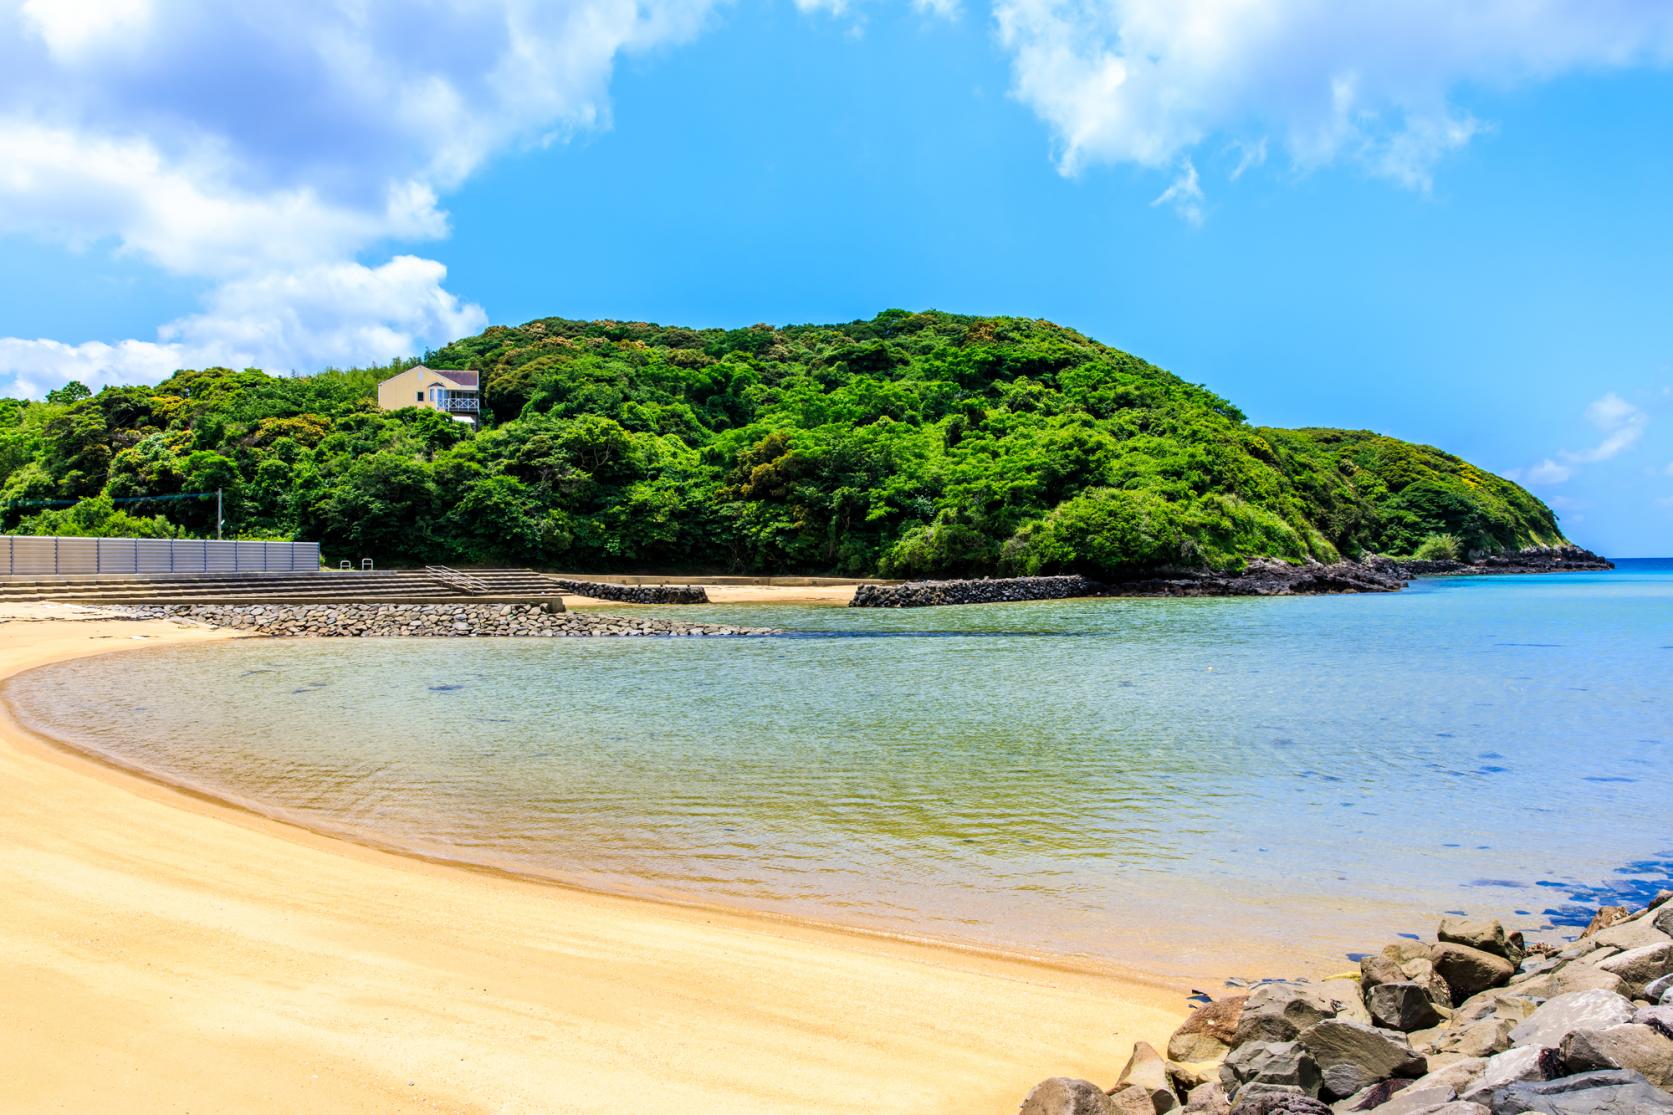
<point x="1469" y="971"/>
<point x="1208" y="1099"/>
<point x="1277" y="1012"/>
<point x="1062" y="1095"/>
<point x="1207" y="1034"/>
<point x="1570" y="978"/>
<point x="1659" y="1017"/>
<point x="1513" y="1066"/>
<point x="1577" y="1010"/>
<point x="1641" y="1049"/>
<point x="1456" y="1077"/>
<point x="1407" y="1101"/>
<point x="1375" y="1095"/>
<point x="1482" y="934"/>
<point x="1611" y="1092"/>
<point x="1187" y="1076"/>
<point x="1500" y="1002"/>
<point x="1421" y="971"/>
<point x="1134" y="1099"/>
<point x="1637" y="932"/>
<point x="1662" y="919"/>
<point x="1146" y="1069"/>
<point x="1379" y="968"/>
<point x="1402" y="1006"/>
<point x="1603" y="919"/>
<point x="1263" y="1102"/>
<point x="1284" y="1064"/>
<point x="1640" y="967"/>
<point x="1481" y="1038"/>
<point x="1351" y="1055"/>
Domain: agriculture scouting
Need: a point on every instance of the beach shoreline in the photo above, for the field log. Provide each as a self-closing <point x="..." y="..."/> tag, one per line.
<point x="167" y="950"/>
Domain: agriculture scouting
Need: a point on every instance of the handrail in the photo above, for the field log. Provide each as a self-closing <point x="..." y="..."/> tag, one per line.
<point x="464" y="582"/>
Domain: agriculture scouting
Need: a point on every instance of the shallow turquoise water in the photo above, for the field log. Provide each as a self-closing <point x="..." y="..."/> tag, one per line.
<point x="1175" y="784"/>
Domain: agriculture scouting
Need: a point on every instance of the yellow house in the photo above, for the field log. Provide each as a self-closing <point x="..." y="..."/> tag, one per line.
<point x="454" y="393"/>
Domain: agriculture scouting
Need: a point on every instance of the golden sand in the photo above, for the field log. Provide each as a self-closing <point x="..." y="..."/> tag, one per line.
<point x="162" y="953"/>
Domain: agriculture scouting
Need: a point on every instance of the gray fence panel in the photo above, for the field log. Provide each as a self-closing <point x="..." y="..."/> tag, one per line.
<point x="33" y="556"/>
<point x="154" y="555"/>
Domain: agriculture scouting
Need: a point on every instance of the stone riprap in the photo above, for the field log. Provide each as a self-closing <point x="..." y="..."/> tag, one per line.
<point x="632" y="594"/>
<point x="1261" y="577"/>
<point x="998" y="590"/>
<point x="428" y="620"/>
<point x="1581" y="1029"/>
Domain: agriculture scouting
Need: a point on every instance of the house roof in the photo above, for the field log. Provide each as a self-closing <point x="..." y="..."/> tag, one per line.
<point x="458" y="377"/>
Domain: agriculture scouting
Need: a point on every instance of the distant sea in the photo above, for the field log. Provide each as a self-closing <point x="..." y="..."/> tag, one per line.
<point x="1181" y="786"/>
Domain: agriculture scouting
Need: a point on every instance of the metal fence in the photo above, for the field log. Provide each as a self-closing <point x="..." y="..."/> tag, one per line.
<point x="30" y="555"/>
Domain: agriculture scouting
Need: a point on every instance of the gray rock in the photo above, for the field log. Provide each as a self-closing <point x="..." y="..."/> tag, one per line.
<point x="1640" y="967"/>
<point x="1402" y="1006"/>
<point x="1662" y="920"/>
<point x="1456" y="1077"/>
<point x="1414" y="1100"/>
<point x="1283" y="1064"/>
<point x="1351" y="1055"/>
<point x="1148" y="1070"/>
<point x="1578" y="1010"/>
<point x="1277" y="1012"/>
<point x="1482" y="1038"/>
<point x="1208" y="1099"/>
<point x="1513" y="1066"/>
<point x="1611" y="1092"/>
<point x="1378" y="969"/>
<point x="1062" y="1095"/>
<point x="1500" y="1002"/>
<point x="1638" y="932"/>
<point x="1207" y="1034"/>
<point x="1641" y="1049"/>
<point x="1483" y="934"/>
<point x="1468" y="971"/>
<point x="1456" y="1107"/>
<point x="1570" y="978"/>
<point x="1375" y="1095"/>
<point x="1660" y="1017"/>
<point x="1272" y="1101"/>
<point x="1134" y="1099"/>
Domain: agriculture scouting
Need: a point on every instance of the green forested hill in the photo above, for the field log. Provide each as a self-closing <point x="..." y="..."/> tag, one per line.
<point x="910" y="444"/>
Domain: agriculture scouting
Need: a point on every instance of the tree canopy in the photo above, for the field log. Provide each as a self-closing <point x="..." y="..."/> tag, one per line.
<point x="912" y="444"/>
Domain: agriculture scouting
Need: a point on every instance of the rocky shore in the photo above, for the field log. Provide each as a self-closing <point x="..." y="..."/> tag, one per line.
<point x="426" y="620"/>
<point x="1476" y="1022"/>
<point x="633" y="594"/>
<point x="1261" y="577"/>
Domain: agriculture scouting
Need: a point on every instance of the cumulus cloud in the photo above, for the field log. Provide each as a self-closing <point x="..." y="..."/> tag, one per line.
<point x="1620" y="425"/>
<point x="1147" y="81"/>
<point x="338" y="313"/>
<point x="265" y="148"/>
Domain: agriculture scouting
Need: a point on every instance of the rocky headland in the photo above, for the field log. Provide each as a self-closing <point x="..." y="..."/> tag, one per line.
<point x="1261" y="577"/>
<point x="1475" y="1022"/>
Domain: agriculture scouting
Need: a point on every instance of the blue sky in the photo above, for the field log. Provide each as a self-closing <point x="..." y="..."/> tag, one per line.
<point x="1451" y="230"/>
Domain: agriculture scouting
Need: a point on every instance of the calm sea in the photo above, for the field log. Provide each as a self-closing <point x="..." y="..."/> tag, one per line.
<point x="1184" y="786"/>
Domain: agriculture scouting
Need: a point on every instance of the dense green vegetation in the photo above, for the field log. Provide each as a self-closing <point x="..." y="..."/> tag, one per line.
<point x="907" y="445"/>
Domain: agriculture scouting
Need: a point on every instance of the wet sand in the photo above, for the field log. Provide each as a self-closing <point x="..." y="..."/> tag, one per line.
<point x="167" y="953"/>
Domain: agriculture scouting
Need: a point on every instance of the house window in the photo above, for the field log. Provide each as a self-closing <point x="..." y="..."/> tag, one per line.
<point x="421" y="396"/>
<point x="438" y="396"/>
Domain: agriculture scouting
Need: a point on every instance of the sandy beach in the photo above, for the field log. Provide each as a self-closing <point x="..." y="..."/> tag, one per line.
<point x="166" y="953"/>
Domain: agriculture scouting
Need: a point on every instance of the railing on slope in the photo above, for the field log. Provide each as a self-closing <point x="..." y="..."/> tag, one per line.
<point x="464" y="582"/>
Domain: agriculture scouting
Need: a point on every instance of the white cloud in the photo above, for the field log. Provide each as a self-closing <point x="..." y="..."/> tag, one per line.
<point x="945" y="9"/>
<point x="1184" y="194"/>
<point x="1621" y="423"/>
<point x="1147" y="81"/>
<point x="335" y="313"/>
<point x="1249" y="156"/>
<point x="261" y="148"/>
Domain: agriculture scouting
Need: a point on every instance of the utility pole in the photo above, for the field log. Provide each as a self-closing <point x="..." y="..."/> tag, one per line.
<point x="217" y="514"/>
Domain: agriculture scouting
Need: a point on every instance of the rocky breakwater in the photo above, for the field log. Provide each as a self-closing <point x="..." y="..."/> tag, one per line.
<point x="1475" y="1022"/>
<point x="632" y="594"/>
<point x="428" y="620"/>
<point x="1259" y="578"/>
<point x="998" y="590"/>
<point x="1555" y="559"/>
